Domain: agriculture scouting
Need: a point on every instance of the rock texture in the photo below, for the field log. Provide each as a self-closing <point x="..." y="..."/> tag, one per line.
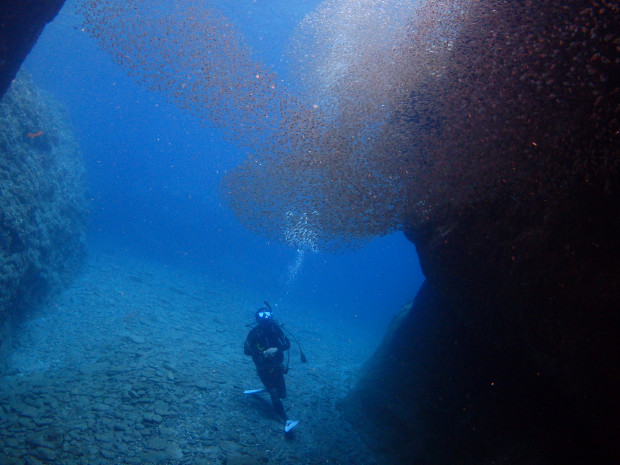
<point x="21" y="24"/>
<point x="509" y="352"/>
<point x="43" y="207"/>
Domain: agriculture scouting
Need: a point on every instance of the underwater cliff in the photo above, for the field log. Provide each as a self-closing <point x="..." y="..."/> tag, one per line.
<point x="44" y="210"/>
<point x="508" y="353"/>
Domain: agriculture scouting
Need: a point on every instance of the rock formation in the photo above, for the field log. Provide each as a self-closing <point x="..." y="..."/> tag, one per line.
<point x="508" y="353"/>
<point x="43" y="211"/>
<point x="20" y="26"/>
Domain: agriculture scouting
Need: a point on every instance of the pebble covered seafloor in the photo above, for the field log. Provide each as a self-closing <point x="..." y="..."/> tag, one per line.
<point x="137" y="363"/>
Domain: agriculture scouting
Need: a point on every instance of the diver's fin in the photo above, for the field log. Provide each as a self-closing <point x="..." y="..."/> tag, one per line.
<point x="289" y="425"/>
<point x="254" y="391"/>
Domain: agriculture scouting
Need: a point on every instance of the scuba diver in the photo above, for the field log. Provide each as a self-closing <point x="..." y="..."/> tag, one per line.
<point x="266" y="344"/>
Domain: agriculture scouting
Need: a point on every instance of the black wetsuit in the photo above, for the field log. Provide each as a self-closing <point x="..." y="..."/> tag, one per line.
<point x="270" y="369"/>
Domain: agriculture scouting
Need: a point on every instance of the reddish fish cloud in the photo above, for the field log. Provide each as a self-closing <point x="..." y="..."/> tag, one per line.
<point x="396" y="110"/>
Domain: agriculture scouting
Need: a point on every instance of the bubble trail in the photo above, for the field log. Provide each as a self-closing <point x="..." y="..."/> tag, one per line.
<point x="294" y="269"/>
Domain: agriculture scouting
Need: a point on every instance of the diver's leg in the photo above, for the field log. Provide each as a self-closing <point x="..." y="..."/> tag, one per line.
<point x="280" y="384"/>
<point x="277" y="404"/>
<point x="279" y="392"/>
<point x="264" y="377"/>
<point x="272" y="383"/>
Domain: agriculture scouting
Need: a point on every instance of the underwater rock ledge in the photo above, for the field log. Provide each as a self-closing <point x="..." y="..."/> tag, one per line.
<point x="21" y="24"/>
<point x="43" y="210"/>
<point x="497" y="364"/>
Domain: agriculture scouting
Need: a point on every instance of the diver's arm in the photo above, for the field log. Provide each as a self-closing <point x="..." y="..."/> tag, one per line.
<point x="278" y="342"/>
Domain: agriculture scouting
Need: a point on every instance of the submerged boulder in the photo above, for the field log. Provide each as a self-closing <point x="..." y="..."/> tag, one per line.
<point x="43" y="201"/>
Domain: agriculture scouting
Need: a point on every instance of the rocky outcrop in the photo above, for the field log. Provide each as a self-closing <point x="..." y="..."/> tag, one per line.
<point x="489" y="367"/>
<point x="21" y="24"/>
<point x="43" y="211"/>
<point x="508" y="354"/>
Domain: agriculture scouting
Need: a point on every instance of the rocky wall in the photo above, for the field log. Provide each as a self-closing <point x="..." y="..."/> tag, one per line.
<point x="43" y="201"/>
<point x="508" y="354"/>
<point x="479" y="369"/>
<point x="20" y="26"/>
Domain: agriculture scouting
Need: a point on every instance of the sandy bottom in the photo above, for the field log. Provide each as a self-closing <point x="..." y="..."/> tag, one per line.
<point x="138" y="363"/>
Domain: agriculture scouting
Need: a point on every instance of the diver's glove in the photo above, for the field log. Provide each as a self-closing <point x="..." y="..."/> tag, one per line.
<point x="270" y="352"/>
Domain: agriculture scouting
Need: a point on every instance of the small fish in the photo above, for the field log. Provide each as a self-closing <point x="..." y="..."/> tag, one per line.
<point x="32" y="135"/>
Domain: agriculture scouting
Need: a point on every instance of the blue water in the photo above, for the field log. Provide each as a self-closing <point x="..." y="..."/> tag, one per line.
<point x="153" y="175"/>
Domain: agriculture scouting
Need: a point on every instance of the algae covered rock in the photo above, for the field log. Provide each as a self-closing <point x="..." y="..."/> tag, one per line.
<point x="43" y="202"/>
